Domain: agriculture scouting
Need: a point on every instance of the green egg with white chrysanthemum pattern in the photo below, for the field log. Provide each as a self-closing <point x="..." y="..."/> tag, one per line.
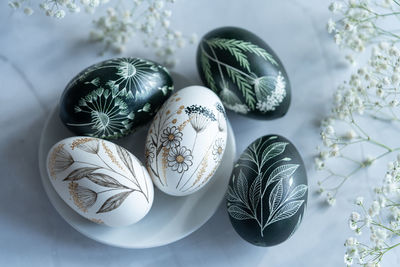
<point x="111" y="98"/>
<point x="244" y="72"/>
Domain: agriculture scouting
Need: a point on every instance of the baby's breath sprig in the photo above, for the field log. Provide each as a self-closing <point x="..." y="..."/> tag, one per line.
<point x="369" y="99"/>
<point x="371" y="96"/>
<point x="381" y="219"/>
<point x="57" y="8"/>
<point x="147" y="20"/>
<point x="362" y="22"/>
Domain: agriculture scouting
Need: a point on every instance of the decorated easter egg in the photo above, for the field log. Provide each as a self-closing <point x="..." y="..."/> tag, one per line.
<point x="267" y="193"/>
<point x="101" y="181"/>
<point x="110" y="99"/>
<point x="186" y="141"/>
<point x="245" y="73"/>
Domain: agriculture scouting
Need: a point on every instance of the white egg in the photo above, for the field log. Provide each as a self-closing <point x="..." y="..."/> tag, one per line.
<point x="100" y="180"/>
<point x="186" y="141"/>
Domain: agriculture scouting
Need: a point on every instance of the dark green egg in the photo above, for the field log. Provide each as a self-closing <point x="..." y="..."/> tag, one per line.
<point x="267" y="193"/>
<point x="244" y="71"/>
<point x="111" y="98"/>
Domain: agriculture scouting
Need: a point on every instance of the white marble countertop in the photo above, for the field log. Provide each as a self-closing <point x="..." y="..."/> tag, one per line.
<point x="38" y="56"/>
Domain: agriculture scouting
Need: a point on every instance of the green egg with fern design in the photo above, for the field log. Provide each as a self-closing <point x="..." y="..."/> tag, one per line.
<point x="267" y="193"/>
<point x="112" y="98"/>
<point x="244" y="72"/>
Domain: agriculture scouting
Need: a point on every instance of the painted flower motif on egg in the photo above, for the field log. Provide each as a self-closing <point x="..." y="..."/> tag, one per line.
<point x="186" y="141"/>
<point x="267" y="193"/>
<point x="100" y="180"/>
<point x="245" y="73"/>
<point x="109" y="99"/>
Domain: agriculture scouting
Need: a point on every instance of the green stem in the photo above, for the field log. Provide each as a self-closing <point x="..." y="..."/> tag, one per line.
<point x="227" y="66"/>
<point x="219" y="67"/>
<point x="335" y="189"/>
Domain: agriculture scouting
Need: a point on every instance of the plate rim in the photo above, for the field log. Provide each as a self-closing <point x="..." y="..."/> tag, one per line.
<point x="43" y="176"/>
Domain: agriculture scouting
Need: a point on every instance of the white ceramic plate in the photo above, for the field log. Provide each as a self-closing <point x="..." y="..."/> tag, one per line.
<point x="169" y="220"/>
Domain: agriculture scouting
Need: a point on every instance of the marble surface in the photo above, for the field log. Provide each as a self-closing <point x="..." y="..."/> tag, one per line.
<point x="38" y="56"/>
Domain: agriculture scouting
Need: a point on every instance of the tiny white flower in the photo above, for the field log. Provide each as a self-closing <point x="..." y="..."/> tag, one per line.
<point x="381" y="235"/>
<point x="331" y="25"/>
<point x="59" y="14"/>
<point x="390" y="188"/>
<point x="330" y="130"/>
<point x="159" y="4"/>
<point x="338" y="39"/>
<point x="28" y="11"/>
<point x="374" y="209"/>
<point x="44" y="6"/>
<point x="93" y="3"/>
<point x="331" y="200"/>
<point x="353" y="225"/>
<point x="323" y="155"/>
<point x="394" y="103"/>
<point x="167" y="13"/>
<point x="359" y="201"/>
<point x="355" y="216"/>
<point x="320" y="190"/>
<point x="334" y="152"/>
<point x="72" y="7"/>
<point x="390" y="165"/>
<point x="348" y="260"/>
<point x="382" y="201"/>
<point x="351" y="134"/>
<point x="181" y="43"/>
<point x="368" y="160"/>
<point x="358" y="231"/>
<point x="350" y="59"/>
<point x="380" y="92"/>
<point x="335" y="6"/>
<point x="350" y="242"/>
<point x="166" y="23"/>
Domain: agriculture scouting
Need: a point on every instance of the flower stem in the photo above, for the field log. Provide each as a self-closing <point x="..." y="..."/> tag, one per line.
<point x="226" y="65"/>
<point x="216" y="59"/>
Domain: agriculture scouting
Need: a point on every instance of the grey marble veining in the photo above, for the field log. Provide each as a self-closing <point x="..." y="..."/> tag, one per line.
<point x="38" y="56"/>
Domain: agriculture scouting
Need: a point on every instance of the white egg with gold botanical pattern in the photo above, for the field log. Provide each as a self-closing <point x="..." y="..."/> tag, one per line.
<point x="186" y="141"/>
<point x="100" y="180"/>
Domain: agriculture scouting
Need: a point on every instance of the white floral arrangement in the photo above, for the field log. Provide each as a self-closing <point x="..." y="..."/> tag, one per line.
<point x="148" y="20"/>
<point x="369" y="99"/>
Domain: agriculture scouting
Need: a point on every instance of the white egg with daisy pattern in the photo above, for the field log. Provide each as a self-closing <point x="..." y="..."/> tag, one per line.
<point x="186" y="141"/>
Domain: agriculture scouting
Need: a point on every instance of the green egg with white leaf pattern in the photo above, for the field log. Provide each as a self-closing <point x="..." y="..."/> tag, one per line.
<point x="112" y="98"/>
<point x="267" y="193"/>
<point x="244" y="72"/>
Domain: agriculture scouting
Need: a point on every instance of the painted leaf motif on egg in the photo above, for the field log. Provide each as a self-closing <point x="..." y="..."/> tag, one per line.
<point x="268" y="190"/>
<point x="111" y="98"/>
<point x="186" y="141"/>
<point x="96" y="177"/>
<point x="245" y="73"/>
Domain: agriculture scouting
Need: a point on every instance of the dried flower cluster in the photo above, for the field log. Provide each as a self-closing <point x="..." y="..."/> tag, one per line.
<point x="381" y="218"/>
<point x="58" y="8"/>
<point x="148" y="20"/>
<point x="369" y="99"/>
<point x="363" y="22"/>
<point x="371" y="95"/>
